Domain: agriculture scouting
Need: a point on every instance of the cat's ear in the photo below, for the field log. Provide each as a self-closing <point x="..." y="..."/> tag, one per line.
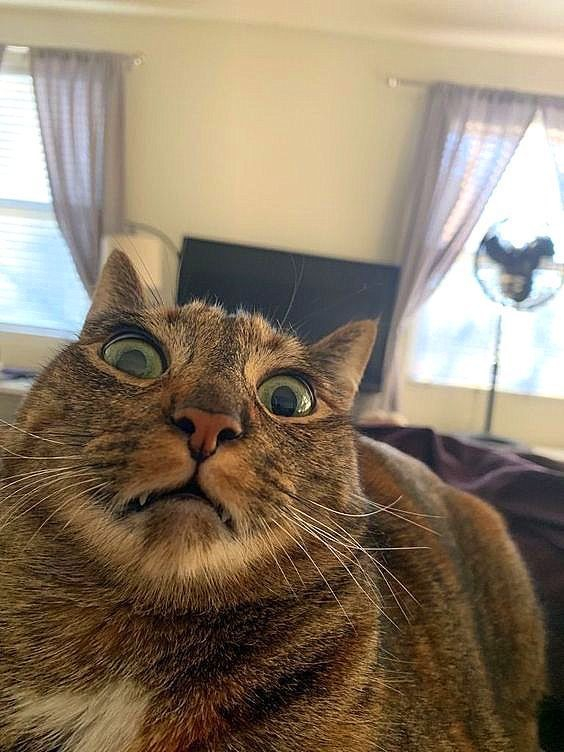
<point x="118" y="288"/>
<point x="344" y="354"/>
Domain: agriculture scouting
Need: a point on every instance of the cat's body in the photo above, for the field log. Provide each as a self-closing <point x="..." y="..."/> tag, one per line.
<point x="123" y="639"/>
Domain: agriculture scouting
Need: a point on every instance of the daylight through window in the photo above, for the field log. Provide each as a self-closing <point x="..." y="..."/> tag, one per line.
<point x="454" y="333"/>
<point x="39" y="287"/>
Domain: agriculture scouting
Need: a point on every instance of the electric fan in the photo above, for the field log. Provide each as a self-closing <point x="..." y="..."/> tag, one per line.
<point x="515" y="268"/>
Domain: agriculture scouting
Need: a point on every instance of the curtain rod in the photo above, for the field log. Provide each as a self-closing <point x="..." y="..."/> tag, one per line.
<point x="394" y="82"/>
<point x="135" y="59"/>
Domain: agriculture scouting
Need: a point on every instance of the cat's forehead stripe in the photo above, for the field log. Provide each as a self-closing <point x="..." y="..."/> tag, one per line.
<point x="249" y="326"/>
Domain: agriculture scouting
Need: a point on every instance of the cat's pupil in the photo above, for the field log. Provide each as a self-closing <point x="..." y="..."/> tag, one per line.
<point x="284" y="401"/>
<point x="133" y="362"/>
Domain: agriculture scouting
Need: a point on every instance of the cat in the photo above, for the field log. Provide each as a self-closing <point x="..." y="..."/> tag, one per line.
<point x="199" y="554"/>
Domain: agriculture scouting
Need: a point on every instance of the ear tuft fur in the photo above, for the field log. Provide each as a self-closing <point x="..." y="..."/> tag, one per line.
<point x="119" y="286"/>
<point x="345" y="353"/>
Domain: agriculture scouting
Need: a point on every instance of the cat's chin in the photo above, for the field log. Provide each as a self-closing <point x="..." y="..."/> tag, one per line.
<point x="181" y="540"/>
<point x="181" y="523"/>
<point x="174" y="542"/>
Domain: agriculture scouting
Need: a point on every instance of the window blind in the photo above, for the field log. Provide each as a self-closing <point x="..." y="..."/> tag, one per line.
<point x="39" y="285"/>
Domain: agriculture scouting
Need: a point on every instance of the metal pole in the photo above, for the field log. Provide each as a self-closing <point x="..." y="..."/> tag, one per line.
<point x="495" y="369"/>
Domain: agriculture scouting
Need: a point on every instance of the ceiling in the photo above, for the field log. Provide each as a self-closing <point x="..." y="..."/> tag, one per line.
<point x="529" y="25"/>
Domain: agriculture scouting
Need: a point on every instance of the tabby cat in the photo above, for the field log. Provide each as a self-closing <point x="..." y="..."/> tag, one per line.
<point x="199" y="554"/>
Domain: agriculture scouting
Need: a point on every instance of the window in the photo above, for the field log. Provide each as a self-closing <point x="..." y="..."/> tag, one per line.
<point x="454" y="333"/>
<point x="40" y="290"/>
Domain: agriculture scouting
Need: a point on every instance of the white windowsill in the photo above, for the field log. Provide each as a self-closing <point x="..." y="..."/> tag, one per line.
<point x="27" y="350"/>
<point x="482" y="389"/>
<point x="532" y="420"/>
<point x="36" y="331"/>
<point x="15" y="387"/>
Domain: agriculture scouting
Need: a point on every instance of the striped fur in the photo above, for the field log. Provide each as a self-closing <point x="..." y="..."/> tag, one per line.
<point x="356" y="604"/>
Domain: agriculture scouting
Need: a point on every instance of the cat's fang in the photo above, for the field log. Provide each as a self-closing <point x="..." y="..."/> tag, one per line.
<point x="143" y="499"/>
<point x="224" y="516"/>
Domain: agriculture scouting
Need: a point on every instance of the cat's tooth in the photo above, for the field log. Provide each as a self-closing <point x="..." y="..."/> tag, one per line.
<point x="143" y="499"/>
<point x="224" y="516"/>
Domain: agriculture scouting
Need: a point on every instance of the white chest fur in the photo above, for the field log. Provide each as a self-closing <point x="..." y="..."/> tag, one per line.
<point x="105" y="721"/>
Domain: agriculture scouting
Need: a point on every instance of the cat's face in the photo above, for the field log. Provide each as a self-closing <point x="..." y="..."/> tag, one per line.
<point x="195" y="436"/>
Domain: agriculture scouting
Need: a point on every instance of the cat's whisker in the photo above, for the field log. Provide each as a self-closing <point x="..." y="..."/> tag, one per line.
<point x="18" y="516"/>
<point x="292" y="562"/>
<point x="18" y="477"/>
<point x="331" y="509"/>
<point x="337" y="538"/>
<point x="332" y="536"/>
<point x="412" y="514"/>
<point x="275" y="558"/>
<point x="11" y="426"/>
<point x="36" y="457"/>
<point x="78" y="510"/>
<point x="372" y="585"/>
<point x="63" y="506"/>
<point x="355" y="543"/>
<point x="379" y="507"/>
<point x="306" y="552"/>
<point x="71" y="440"/>
<point x="297" y="282"/>
<point x="144" y="272"/>
<point x="284" y="575"/>
<point x="389" y="510"/>
<point x="381" y="567"/>
<point x="323" y="529"/>
<point x="31" y="489"/>
<point x="381" y="571"/>
<point x="413" y="522"/>
<point x="399" y="582"/>
<point x="33" y="482"/>
<point x="397" y="512"/>
<point x="357" y="546"/>
<point x="344" y="514"/>
<point x="339" y="556"/>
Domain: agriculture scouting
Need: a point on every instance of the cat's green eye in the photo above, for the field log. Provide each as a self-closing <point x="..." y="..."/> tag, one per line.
<point x="287" y="396"/>
<point x="135" y="356"/>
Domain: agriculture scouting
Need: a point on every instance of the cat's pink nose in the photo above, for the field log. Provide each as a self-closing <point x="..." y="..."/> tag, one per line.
<point x="206" y="431"/>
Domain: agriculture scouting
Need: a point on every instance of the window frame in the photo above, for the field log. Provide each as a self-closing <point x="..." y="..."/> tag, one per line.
<point x="27" y="347"/>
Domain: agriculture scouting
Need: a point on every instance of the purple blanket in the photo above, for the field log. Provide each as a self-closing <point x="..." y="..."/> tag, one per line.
<point x="529" y="496"/>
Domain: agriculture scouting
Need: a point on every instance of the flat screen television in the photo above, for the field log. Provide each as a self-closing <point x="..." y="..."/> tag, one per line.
<point x="311" y="294"/>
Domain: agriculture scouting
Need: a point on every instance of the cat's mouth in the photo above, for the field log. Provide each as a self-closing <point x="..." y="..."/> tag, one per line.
<point x="189" y="492"/>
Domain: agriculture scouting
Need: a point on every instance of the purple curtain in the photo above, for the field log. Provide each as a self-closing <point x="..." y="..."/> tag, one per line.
<point x="80" y="102"/>
<point x="467" y="140"/>
<point x="552" y="109"/>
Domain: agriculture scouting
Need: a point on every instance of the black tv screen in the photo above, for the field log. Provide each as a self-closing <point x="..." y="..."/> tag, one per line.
<point x="311" y="294"/>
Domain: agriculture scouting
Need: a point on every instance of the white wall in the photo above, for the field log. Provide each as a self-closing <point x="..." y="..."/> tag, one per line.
<point x="279" y="137"/>
<point x="272" y="136"/>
